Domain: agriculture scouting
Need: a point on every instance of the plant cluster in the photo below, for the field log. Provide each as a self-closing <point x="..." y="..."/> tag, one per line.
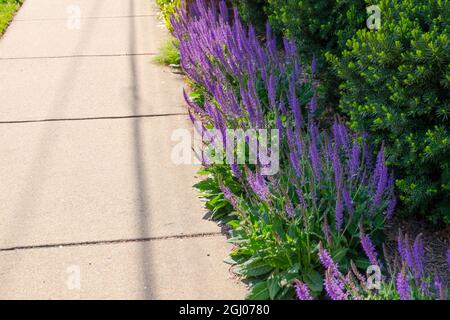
<point x="330" y="192"/>
<point x="408" y="281"/>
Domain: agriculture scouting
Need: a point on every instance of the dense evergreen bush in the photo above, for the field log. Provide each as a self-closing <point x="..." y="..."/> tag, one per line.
<point x="396" y="87"/>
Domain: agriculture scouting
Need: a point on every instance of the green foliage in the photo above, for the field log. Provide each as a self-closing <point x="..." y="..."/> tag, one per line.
<point x="210" y="190"/>
<point x="168" y="53"/>
<point x="396" y="88"/>
<point x="7" y="10"/>
<point x="318" y="27"/>
<point x="167" y="8"/>
<point x="253" y="12"/>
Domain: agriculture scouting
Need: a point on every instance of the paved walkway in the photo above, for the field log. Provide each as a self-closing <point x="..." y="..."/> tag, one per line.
<point x="87" y="188"/>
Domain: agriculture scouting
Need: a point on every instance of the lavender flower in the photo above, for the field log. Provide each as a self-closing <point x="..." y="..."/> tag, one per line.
<point x="448" y="260"/>
<point x="315" y="161"/>
<point x="333" y="287"/>
<point x="404" y="251"/>
<point x="295" y="161"/>
<point x="403" y="286"/>
<point x="391" y="207"/>
<point x="235" y="169"/>
<point x="441" y="290"/>
<point x="348" y="201"/>
<point x="353" y="164"/>
<point x="339" y="212"/>
<point x="326" y="230"/>
<point x="302" y="291"/>
<point x="289" y="209"/>
<point x="271" y="90"/>
<point x="313" y="105"/>
<point x="295" y="105"/>
<point x="229" y="195"/>
<point x="419" y="258"/>
<point x="383" y="176"/>
<point x="258" y="185"/>
<point x="369" y="248"/>
<point x="301" y="198"/>
<point x="313" y="67"/>
<point x="326" y="260"/>
<point x="336" y="167"/>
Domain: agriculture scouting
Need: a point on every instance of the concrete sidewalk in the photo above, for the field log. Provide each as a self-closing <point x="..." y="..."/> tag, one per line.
<point x="87" y="188"/>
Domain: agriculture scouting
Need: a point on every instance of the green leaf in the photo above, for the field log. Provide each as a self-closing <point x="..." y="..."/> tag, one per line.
<point x="230" y="260"/>
<point x="204" y="185"/>
<point x="339" y="254"/>
<point x="273" y="284"/>
<point x="253" y="268"/>
<point x="258" y="291"/>
<point x="314" y="280"/>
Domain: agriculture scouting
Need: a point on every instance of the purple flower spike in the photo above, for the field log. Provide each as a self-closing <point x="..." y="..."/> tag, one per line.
<point x="295" y="105"/>
<point x="391" y="208"/>
<point x="229" y="195"/>
<point x="339" y="212"/>
<point x="326" y="231"/>
<point x="448" y="260"/>
<point x="258" y="185"/>
<point x="381" y="178"/>
<point x="404" y="251"/>
<point x="326" y="260"/>
<point x="369" y="249"/>
<point x="295" y="161"/>
<point x="271" y="90"/>
<point x="313" y="105"/>
<point x="441" y="290"/>
<point x="333" y="287"/>
<point x="235" y="170"/>
<point x="302" y="291"/>
<point x="353" y="165"/>
<point x="419" y="258"/>
<point x="403" y="286"/>
<point x="313" y="67"/>
<point x="348" y="201"/>
<point x="289" y="209"/>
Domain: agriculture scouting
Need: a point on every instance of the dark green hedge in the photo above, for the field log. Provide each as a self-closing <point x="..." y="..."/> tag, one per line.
<point x="396" y="87"/>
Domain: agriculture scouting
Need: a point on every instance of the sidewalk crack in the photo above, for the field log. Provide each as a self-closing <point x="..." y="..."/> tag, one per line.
<point x="114" y="241"/>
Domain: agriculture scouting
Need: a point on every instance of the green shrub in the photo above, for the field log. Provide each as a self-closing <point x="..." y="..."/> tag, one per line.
<point x="167" y="8"/>
<point x="253" y="12"/>
<point x="7" y="10"/>
<point x="319" y="26"/>
<point x="396" y="88"/>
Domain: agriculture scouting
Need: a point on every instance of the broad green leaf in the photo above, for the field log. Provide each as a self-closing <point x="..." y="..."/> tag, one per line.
<point x="273" y="284"/>
<point x="253" y="268"/>
<point x="258" y="291"/>
<point x="314" y="280"/>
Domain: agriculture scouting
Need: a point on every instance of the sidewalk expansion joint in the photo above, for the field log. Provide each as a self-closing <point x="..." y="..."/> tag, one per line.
<point x="109" y="242"/>
<point x="81" y="56"/>
<point x="94" y="118"/>
<point x="86" y="18"/>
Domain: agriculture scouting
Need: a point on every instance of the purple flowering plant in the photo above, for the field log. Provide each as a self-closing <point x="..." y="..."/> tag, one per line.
<point x="328" y="187"/>
<point x="405" y="277"/>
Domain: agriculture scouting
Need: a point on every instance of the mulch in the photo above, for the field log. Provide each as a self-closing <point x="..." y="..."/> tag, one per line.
<point x="436" y="241"/>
